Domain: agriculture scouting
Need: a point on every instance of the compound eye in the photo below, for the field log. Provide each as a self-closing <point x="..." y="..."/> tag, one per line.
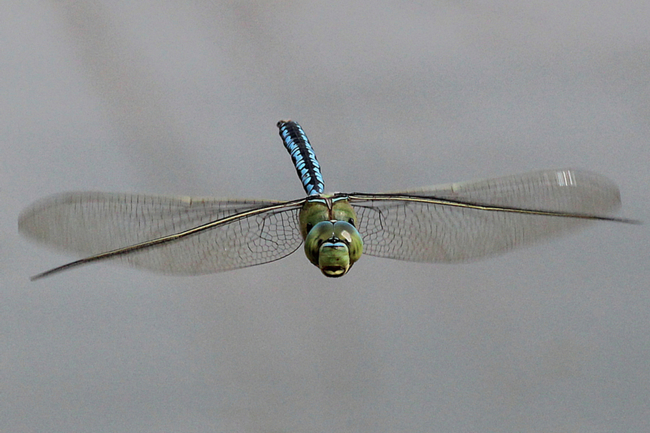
<point x="317" y="234"/>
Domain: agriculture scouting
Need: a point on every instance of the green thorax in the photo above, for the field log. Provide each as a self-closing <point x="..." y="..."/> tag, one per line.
<point x="328" y="226"/>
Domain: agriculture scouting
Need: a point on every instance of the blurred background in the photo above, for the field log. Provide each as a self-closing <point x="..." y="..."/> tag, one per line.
<point x="182" y="97"/>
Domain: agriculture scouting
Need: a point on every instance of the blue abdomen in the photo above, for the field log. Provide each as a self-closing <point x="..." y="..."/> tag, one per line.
<point x="303" y="156"/>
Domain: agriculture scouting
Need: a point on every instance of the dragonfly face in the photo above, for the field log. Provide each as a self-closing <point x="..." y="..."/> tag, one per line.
<point x="332" y="241"/>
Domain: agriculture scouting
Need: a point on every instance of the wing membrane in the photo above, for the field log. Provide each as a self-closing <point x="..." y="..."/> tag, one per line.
<point x="420" y="225"/>
<point x="90" y="223"/>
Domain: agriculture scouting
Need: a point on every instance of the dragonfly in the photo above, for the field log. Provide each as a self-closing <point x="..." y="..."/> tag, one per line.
<point x="456" y="222"/>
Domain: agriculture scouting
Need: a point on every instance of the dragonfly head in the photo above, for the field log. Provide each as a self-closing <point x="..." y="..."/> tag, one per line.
<point x="333" y="246"/>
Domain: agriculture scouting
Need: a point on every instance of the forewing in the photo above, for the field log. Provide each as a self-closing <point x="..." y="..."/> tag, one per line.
<point x="427" y="232"/>
<point x="89" y="223"/>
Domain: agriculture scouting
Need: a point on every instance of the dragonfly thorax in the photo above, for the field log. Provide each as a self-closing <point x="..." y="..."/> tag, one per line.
<point x="332" y="241"/>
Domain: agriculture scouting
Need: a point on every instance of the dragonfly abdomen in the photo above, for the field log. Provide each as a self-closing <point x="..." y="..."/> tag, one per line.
<point x="303" y="156"/>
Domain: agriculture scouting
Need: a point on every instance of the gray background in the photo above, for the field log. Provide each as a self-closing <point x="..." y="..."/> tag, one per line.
<point x="171" y="97"/>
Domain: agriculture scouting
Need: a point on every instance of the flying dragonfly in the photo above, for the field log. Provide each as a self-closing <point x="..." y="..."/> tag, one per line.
<point x="448" y="223"/>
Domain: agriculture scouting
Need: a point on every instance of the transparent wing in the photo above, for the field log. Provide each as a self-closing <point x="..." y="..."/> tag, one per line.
<point x="88" y="223"/>
<point x="408" y="229"/>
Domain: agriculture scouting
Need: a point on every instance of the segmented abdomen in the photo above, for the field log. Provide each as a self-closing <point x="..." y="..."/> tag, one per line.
<point x="303" y="156"/>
